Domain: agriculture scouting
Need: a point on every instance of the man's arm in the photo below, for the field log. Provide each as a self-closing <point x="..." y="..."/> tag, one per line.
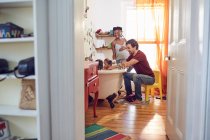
<point x="129" y="63"/>
<point x="115" y="66"/>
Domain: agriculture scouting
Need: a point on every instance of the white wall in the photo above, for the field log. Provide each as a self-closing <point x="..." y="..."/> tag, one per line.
<point x="105" y="14"/>
<point x="89" y="39"/>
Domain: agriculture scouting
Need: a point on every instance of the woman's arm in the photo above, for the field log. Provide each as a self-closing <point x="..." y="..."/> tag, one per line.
<point x="113" y="50"/>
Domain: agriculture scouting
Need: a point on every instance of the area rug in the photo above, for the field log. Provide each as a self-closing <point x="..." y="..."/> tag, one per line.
<point x="98" y="132"/>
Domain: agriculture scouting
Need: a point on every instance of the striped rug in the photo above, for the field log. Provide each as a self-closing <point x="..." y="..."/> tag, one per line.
<point x="98" y="132"/>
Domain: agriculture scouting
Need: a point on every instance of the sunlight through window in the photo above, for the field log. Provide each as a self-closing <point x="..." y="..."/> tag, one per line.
<point x="146" y="24"/>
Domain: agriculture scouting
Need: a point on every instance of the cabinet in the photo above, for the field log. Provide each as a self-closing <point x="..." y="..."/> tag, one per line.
<point x="22" y="123"/>
<point x="91" y="83"/>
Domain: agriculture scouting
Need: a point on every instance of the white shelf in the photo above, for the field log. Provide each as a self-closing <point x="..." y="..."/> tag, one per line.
<point x="15" y="3"/>
<point x="9" y="110"/>
<point x="103" y="35"/>
<point x="11" y="76"/>
<point x="16" y="40"/>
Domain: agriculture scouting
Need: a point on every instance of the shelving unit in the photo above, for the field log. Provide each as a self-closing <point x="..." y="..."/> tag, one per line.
<point x="12" y="76"/>
<point x="10" y="110"/>
<point x="100" y="36"/>
<point x="17" y="40"/>
<point x="15" y="3"/>
<point x="22" y="123"/>
<point x="105" y="52"/>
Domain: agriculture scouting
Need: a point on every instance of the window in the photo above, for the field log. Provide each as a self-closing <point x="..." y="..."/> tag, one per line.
<point x="146" y="23"/>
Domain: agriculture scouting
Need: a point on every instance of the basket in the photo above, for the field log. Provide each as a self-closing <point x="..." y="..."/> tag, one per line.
<point x="28" y="95"/>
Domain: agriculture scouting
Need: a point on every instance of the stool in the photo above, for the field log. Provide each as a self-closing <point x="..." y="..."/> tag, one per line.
<point x="157" y="84"/>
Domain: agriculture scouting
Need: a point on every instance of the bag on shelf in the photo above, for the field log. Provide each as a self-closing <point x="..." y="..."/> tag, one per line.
<point x="10" y="30"/>
<point x="4" y="129"/>
<point x="25" y="68"/>
<point x="28" y="95"/>
<point x="4" y="68"/>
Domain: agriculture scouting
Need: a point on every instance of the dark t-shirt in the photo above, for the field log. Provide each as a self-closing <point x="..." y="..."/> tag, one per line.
<point x="142" y="67"/>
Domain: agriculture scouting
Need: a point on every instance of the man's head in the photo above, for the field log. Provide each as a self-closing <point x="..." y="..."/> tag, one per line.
<point x="117" y="32"/>
<point x="132" y="46"/>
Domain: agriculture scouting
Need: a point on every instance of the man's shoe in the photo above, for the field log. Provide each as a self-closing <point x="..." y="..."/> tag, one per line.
<point x="131" y="98"/>
<point x="140" y="102"/>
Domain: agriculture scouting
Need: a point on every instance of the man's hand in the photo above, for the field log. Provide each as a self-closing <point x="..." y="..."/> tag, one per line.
<point x="124" y="64"/>
<point x="112" y="67"/>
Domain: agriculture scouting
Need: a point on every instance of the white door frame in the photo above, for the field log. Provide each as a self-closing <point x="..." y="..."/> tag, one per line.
<point x="66" y="51"/>
<point x="42" y="69"/>
<point x="207" y="37"/>
<point x="198" y="49"/>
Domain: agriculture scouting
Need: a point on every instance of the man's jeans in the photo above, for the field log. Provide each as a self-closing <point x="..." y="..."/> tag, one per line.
<point x="138" y="79"/>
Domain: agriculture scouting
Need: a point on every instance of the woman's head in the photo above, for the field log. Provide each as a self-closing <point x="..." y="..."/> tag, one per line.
<point x="117" y="32"/>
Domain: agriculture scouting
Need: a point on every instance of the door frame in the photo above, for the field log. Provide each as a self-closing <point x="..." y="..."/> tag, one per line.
<point x="197" y="71"/>
<point x="207" y="116"/>
<point x="66" y="68"/>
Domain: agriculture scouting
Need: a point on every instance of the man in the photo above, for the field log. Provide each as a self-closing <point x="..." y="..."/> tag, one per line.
<point x="143" y="75"/>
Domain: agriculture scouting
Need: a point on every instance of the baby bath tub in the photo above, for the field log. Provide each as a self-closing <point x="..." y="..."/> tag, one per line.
<point x="110" y="81"/>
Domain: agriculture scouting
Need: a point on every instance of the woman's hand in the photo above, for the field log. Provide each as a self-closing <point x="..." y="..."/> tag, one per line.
<point x="122" y="48"/>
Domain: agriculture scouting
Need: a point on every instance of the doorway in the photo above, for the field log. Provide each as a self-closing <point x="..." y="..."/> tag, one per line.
<point x="148" y="121"/>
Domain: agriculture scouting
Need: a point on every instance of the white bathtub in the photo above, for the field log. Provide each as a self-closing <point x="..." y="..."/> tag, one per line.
<point x="110" y="82"/>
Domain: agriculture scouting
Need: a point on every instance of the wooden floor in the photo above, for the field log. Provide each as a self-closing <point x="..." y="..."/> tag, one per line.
<point x="141" y="122"/>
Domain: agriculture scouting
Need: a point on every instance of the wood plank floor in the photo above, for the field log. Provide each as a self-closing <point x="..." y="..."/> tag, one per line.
<point x="141" y="122"/>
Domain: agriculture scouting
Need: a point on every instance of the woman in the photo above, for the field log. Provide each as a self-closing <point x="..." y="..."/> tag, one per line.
<point x="120" y="53"/>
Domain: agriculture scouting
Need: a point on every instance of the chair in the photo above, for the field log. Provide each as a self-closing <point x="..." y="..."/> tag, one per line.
<point x="157" y="84"/>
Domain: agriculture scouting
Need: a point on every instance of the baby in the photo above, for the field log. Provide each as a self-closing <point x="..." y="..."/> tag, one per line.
<point x="107" y="63"/>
